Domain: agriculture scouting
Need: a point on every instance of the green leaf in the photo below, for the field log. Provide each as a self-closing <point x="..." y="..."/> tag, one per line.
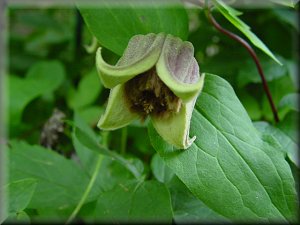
<point x="42" y="78"/>
<point x="51" y="214"/>
<point x="251" y="105"/>
<point x="289" y="3"/>
<point x="287" y="17"/>
<point x="229" y="167"/>
<point x="19" y="193"/>
<point x="85" y="137"/>
<point x="113" y="23"/>
<point x="148" y="201"/>
<point x="272" y="71"/>
<point x="160" y="170"/>
<point x="91" y="114"/>
<point x="20" y="217"/>
<point x="87" y="92"/>
<point x="60" y="181"/>
<point x="290" y="125"/>
<point x="139" y="138"/>
<point x="187" y="208"/>
<point x="87" y="158"/>
<point x="278" y="88"/>
<point x="232" y="16"/>
<point x="105" y="180"/>
<point x="288" y="103"/>
<point x="288" y="146"/>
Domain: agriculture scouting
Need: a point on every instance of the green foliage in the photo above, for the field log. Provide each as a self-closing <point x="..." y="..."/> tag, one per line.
<point x="57" y="177"/>
<point x="232" y="16"/>
<point x="87" y="92"/>
<point x="160" y="170"/>
<point x="290" y="3"/>
<point x="231" y="158"/>
<point x="140" y="202"/>
<point x="128" y="18"/>
<point x="242" y="167"/>
<point x="188" y="208"/>
<point x="43" y="78"/>
<point x="288" y="146"/>
<point x="20" y="193"/>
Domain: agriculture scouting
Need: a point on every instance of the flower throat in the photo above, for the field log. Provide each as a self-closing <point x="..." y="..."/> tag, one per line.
<point x="147" y="95"/>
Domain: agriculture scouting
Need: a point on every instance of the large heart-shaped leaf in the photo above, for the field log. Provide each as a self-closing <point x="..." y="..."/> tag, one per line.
<point x="114" y="22"/>
<point x="230" y="167"/>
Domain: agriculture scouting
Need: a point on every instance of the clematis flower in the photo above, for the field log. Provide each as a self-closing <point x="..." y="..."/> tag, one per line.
<point x="157" y="76"/>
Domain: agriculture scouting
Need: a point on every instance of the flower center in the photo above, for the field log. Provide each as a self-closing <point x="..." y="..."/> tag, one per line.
<point x="148" y="95"/>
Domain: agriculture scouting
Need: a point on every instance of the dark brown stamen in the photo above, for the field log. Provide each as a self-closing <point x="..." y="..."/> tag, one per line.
<point x="148" y="95"/>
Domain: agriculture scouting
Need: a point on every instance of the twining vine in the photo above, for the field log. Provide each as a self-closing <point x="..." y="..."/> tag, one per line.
<point x="246" y="45"/>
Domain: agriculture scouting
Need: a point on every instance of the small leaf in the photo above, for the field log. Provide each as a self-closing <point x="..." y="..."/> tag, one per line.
<point x="288" y="103"/>
<point x="42" y="78"/>
<point x="289" y="125"/>
<point x="160" y="170"/>
<point x="272" y="71"/>
<point x="88" y="159"/>
<point x="19" y="193"/>
<point x="289" y="3"/>
<point x="231" y="16"/>
<point x="279" y="88"/>
<point x="189" y="209"/>
<point x="91" y="143"/>
<point x="20" y="217"/>
<point x="135" y="202"/>
<point x="251" y="105"/>
<point x="87" y="92"/>
<point x="288" y="146"/>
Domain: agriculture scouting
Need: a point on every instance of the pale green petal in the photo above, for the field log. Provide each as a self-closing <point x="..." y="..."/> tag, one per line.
<point x="175" y="129"/>
<point x="178" y="68"/>
<point x="117" y="113"/>
<point x="140" y="55"/>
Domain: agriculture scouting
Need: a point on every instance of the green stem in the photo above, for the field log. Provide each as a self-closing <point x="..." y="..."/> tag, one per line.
<point x="87" y="190"/>
<point x="105" y="139"/>
<point x="123" y="140"/>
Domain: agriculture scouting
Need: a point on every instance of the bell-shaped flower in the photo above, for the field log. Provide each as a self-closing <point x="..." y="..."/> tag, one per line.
<point x="157" y="76"/>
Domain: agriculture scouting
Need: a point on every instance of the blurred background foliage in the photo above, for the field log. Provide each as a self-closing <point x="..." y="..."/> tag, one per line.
<point x="50" y="68"/>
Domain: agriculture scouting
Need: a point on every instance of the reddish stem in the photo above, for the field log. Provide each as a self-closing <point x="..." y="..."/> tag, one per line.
<point x="254" y="57"/>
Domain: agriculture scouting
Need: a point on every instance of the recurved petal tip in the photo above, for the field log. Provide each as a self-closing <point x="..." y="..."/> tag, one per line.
<point x="175" y="129"/>
<point x="140" y="55"/>
<point x="178" y="68"/>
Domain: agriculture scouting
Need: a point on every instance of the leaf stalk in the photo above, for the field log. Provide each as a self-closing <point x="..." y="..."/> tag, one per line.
<point x="87" y="190"/>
